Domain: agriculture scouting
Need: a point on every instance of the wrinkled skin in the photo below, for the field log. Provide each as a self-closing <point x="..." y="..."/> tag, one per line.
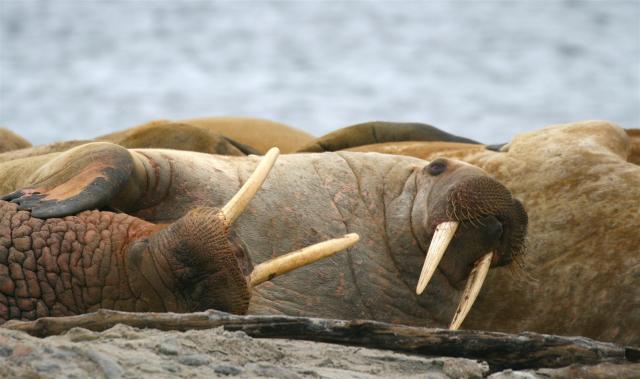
<point x="93" y="260"/>
<point x="10" y="141"/>
<point x="580" y="184"/>
<point x="392" y="202"/>
<point x="379" y="132"/>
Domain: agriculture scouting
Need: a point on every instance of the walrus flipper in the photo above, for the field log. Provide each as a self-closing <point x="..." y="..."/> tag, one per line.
<point x="89" y="176"/>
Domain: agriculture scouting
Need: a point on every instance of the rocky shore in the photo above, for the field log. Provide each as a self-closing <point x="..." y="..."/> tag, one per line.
<point x="125" y="351"/>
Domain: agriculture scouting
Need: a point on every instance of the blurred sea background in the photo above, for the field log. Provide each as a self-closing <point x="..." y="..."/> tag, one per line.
<point x="487" y="70"/>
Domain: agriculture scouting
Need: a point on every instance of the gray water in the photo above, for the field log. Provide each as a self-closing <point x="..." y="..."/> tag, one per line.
<point x="486" y="69"/>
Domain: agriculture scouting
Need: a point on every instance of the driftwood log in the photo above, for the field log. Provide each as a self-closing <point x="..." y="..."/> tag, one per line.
<point x="499" y="350"/>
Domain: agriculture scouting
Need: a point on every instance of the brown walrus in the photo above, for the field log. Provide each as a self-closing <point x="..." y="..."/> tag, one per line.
<point x="379" y="132"/>
<point x="396" y="204"/>
<point x="581" y="187"/>
<point x="157" y="134"/>
<point x="213" y="135"/>
<point x="10" y="141"/>
<point x="261" y="134"/>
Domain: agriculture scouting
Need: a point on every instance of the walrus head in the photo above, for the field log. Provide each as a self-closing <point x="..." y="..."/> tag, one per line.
<point x="473" y="223"/>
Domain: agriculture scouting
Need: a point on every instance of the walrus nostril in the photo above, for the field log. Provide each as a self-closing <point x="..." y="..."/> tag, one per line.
<point x="436" y="167"/>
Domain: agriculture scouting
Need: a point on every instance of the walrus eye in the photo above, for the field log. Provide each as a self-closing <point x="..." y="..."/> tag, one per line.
<point x="436" y="167"/>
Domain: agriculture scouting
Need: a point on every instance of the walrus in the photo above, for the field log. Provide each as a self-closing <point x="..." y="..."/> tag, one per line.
<point x="261" y="134"/>
<point x="374" y="132"/>
<point x="213" y="135"/>
<point x="11" y="141"/>
<point x="156" y="134"/>
<point x="445" y="213"/>
<point x="580" y="184"/>
<point x="95" y="259"/>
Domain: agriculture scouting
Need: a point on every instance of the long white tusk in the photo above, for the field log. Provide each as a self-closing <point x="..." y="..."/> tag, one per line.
<point x="233" y="209"/>
<point x="281" y="265"/>
<point x="439" y="243"/>
<point x="471" y="289"/>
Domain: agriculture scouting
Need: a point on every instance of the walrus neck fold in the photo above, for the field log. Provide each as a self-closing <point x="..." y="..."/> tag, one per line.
<point x="148" y="185"/>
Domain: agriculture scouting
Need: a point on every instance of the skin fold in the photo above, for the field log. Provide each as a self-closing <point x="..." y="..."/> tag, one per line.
<point x="580" y="184"/>
<point x="394" y="203"/>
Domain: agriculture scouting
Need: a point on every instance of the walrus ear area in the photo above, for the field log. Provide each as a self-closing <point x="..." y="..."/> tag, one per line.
<point x="210" y="265"/>
<point x="86" y="177"/>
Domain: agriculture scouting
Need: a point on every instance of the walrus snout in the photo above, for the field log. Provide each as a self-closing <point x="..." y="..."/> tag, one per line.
<point x="474" y="222"/>
<point x="467" y="195"/>
<point x="471" y="242"/>
<point x="210" y="269"/>
<point x="514" y="221"/>
<point x="474" y="197"/>
<point x="462" y="192"/>
<point x="477" y="196"/>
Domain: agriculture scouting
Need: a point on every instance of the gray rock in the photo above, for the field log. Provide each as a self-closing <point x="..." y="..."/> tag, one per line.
<point x="194" y="359"/>
<point x="168" y="348"/>
<point x="123" y="351"/>
<point x="601" y="371"/>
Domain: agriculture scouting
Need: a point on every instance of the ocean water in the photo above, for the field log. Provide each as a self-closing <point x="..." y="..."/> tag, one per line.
<point x="485" y="69"/>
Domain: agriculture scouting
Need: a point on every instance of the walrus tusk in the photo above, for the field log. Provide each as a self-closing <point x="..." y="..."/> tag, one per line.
<point x="439" y="243"/>
<point x="471" y="289"/>
<point x="270" y="269"/>
<point x="233" y="209"/>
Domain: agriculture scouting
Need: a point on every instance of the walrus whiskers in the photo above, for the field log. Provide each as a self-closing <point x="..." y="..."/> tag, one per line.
<point x="439" y="243"/>
<point x="471" y="289"/>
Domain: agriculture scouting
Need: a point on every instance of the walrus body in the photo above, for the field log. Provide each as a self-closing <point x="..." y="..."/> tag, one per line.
<point x="581" y="188"/>
<point x="159" y="134"/>
<point x="10" y="141"/>
<point x="375" y="132"/>
<point x="259" y="133"/>
<point x="212" y="135"/>
<point x="393" y="202"/>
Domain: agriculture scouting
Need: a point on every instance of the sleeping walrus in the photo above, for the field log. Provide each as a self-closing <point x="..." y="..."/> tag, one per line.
<point x="374" y="132"/>
<point x="156" y="134"/>
<point x="402" y="208"/>
<point x="580" y="184"/>
<point x="213" y="135"/>
<point x="96" y="259"/>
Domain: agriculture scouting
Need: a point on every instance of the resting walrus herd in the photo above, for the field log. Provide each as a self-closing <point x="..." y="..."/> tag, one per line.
<point x="151" y="219"/>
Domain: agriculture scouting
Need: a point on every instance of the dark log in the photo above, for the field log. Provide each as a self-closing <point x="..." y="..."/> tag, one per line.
<point x="499" y="350"/>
